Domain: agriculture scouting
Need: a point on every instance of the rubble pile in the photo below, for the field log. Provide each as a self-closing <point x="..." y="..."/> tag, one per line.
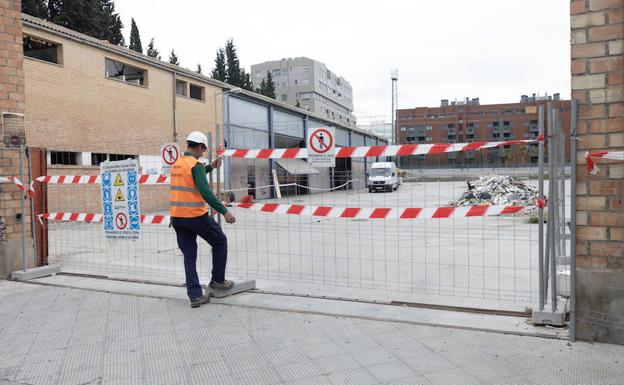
<point x="497" y="190"/>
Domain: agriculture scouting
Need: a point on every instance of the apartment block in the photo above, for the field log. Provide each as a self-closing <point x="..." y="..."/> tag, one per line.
<point x="311" y="85"/>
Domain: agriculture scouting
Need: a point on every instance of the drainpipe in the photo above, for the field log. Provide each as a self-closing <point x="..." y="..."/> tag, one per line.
<point x="175" y="127"/>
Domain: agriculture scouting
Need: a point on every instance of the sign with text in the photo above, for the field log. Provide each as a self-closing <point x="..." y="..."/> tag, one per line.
<point x="169" y="153"/>
<point x="120" y="199"/>
<point x="321" y="146"/>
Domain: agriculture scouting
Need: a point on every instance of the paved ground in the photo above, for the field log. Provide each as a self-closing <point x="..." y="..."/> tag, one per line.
<point x="51" y="335"/>
<point x="470" y="259"/>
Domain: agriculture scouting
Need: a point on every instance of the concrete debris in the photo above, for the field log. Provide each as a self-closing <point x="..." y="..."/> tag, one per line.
<point x="497" y="190"/>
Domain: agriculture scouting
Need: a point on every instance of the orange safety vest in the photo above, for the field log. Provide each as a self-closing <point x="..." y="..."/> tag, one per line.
<point x="185" y="200"/>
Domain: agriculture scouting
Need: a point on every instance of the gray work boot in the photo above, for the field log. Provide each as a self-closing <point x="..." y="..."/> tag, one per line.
<point x="197" y="302"/>
<point x="225" y="285"/>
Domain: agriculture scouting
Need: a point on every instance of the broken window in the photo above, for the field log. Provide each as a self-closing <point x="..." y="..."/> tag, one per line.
<point x="114" y="157"/>
<point x="97" y="158"/>
<point x="63" y="157"/>
<point x="40" y="49"/>
<point x="180" y="87"/>
<point x="197" y="92"/>
<point x="125" y="73"/>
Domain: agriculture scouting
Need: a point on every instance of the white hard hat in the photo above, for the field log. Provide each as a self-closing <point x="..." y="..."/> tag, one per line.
<point x="197" y="137"/>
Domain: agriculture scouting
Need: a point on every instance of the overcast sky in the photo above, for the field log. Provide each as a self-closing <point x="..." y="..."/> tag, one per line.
<point x="493" y="49"/>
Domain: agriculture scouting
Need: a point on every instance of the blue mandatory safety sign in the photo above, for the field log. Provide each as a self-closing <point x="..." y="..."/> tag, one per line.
<point x="108" y="208"/>
<point x="132" y="178"/>
<point x="106" y="179"/>
<point x="132" y="193"/>
<point x="108" y="223"/>
<point x="134" y="223"/>
<point x="106" y="194"/>
<point x="133" y="208"/>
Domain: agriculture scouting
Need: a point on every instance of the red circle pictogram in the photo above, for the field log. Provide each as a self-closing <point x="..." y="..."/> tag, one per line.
<point x="170" y="154"/>
<point x="121" y="220"/>
<point x="324" y="141"/>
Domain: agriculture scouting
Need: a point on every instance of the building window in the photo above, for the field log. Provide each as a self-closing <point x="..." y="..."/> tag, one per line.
<point x="97" y="158"/>
<point x="197" y="92"/>
<point x="450" y="126"/>
<point x="63" y="157"/>
<point x="114" y="157"/>
<point x="505" y="123"/>
<point x="305" y="68"/>
<point x="121" y="71"/>
<point x="180" y="87"/>
<point x="40" y="49"/>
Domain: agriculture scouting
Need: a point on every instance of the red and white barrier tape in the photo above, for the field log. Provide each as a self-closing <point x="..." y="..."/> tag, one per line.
<point x="96" y="218"/>
<point x="373" y="151"/>
<point x="591" y="165"/>
<point x="325" y="212"/>
<point x="95" y="179"/>
<point x="19" y="184"/>
<point x="384" y="212"/>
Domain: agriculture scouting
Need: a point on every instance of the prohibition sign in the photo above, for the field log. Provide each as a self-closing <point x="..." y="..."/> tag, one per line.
<point x="324" y="141"/>
<point x="121" y="220"/>
<point x="170" y="154"/>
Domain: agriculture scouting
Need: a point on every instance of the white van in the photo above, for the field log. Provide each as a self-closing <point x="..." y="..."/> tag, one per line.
<point x="383" y="176"/>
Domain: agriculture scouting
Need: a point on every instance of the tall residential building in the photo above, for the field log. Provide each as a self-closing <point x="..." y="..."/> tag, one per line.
<point x="470" y="121"/>
<point x="310" y="85"/>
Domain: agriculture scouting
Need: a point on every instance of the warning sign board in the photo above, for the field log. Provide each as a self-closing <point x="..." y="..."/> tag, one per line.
<point x="169" y="154"/>
<point x="120" y="199"/>
<point x="321" y="146"/>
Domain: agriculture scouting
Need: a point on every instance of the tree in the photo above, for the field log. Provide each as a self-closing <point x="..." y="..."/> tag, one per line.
<point x="152" y="51"/>
<point x="220" y="70"/>
<point x="110" y="24"/>
<point x="53" y="10"/>
<point x="135" y="38"/>
<point x="199" y="69"/>
<point x="36" y="8"/>
<point x="267" y="86"/>
<point x="234" y="76"/>
<point x="86" y="16"/>
<point x="247" y="84"/>
<point x="173" y="58"/>
<point x="270" y="86"/>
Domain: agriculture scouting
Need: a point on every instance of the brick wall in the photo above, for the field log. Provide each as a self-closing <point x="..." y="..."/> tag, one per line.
<point x="11" y="125"/>
<point x="598" y="84"/>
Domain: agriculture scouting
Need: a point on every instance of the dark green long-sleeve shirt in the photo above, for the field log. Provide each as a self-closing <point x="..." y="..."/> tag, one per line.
<point x="199" y="176"/>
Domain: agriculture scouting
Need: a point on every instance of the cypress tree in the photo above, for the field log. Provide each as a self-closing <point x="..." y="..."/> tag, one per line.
<point x="173" y="58"/>
<point x="233" y="71"/>
<point x="270" y="86"/>
<point x="36" y="8"/>
<point x="152" y="51"/>
<point x="220" y="70"/>
<point x="53" y="10"/>
<point x="135" y="38"/>
<point x="110" y="23"/>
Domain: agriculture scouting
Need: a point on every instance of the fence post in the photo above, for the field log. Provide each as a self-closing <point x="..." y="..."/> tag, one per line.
<point x="540" y="210"/>
<point x="573" y="145"/>
<point x="21" y="159"/>
<point x="32" y="209"/>
<point x="218" y="143"/>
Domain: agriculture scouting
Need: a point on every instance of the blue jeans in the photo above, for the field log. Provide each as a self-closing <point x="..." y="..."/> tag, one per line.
<point x="187" y="230"/>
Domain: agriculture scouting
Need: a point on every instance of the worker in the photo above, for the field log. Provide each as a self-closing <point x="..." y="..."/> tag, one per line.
<point x="189" y="217"/>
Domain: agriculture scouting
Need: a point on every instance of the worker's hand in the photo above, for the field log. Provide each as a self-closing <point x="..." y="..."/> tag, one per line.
<point x="229" y="218"/>
<point x="216" y="163"/>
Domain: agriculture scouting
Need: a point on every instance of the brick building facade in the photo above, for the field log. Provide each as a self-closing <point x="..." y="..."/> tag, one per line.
<point x="469" y="121"/>
<point x="12" y="108"/>
<point x="598" y="84"/>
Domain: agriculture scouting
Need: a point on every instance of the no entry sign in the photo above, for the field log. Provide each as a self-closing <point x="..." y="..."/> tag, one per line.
<point x="321" y="146"/>
<point x="169" y="155"/>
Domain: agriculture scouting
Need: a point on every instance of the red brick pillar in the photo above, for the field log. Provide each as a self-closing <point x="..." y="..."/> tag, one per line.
<point x="12" y="134"/>
<point x="598" y="84"/>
